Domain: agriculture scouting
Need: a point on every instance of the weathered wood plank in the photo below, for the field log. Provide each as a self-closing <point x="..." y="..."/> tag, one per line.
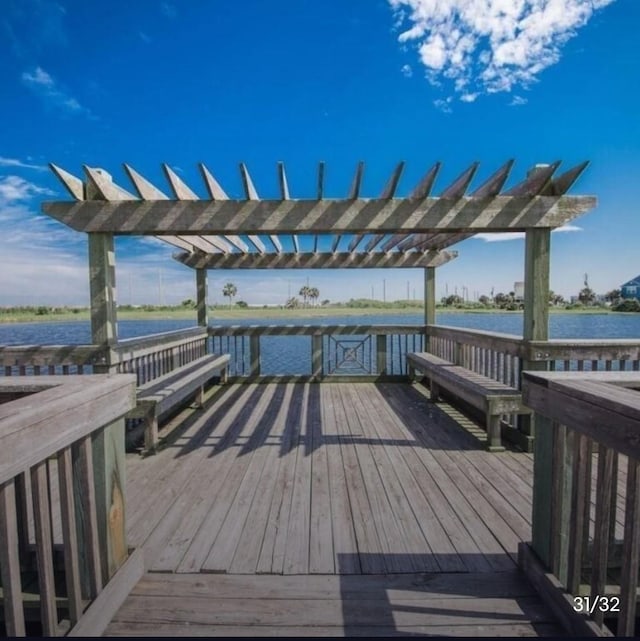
<point x="70" y="535"/>
<point x="175" y="515"/>
<point x="82" y="401"/>
<point x="10" y="562"/>
<point x="309" y="330"/>
<point x="392" y="546"/>
<point x="240" y="630"/>
<point x="466" y="214"/>
<point x="365" y="612"/>
<point x="250" y="540"/>
<point x="274" y="544"/>
<point x="102" y="610"/>
<point x="44" y="548"/>
<point x="201" y="544"/>
<point x="317" y="260"/>
<point x="345" y="547"/>
<point x="369" y="546"/>
<point x="253" y="489"/>
<point x="296" y="557"/>
<point x="321" y="546"/>
<point x="631" y="553"/>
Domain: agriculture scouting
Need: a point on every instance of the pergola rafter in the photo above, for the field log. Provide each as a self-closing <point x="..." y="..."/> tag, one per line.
<point x="209" y="230"/>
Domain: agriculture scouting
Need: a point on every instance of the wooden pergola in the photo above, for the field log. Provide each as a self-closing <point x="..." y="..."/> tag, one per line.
<point x="253" y="233"/>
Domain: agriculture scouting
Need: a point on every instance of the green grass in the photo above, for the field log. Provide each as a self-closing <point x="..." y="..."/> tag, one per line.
<point x="177" y="313"/>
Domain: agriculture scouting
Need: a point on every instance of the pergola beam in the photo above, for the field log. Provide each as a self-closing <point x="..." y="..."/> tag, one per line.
<point x="326" y="260"/>
<point x="398" y="215"/>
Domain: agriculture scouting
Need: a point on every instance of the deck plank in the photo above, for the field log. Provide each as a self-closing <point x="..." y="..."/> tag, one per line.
<point x="252" y="489"/>
<point x="272" y="552"/>
<point x="345" y="547"/>
<point x="305" y="509"/>
<point x="234" y="468"/>
<point x="369" y="546"/>
<point x="296" y="554"/>
<point x="351" y="478"/>
<point x="500" y="604"/>
<point x="321" y="551"/>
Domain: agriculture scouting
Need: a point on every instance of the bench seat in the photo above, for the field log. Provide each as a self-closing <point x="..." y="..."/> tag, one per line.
<point x="158" y="396"/>
<point x="489" y="396"/>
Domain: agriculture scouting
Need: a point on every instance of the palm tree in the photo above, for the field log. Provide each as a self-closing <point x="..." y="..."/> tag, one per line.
<point x="305" y="292"/>
<point x="229" y="290"/>
<point x="314" y="294"/>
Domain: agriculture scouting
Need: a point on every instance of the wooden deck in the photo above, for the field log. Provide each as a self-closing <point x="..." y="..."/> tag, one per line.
<point x="374" y="508"/>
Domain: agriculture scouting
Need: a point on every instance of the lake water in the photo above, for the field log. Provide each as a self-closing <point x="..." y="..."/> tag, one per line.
<point x="560" y="326"/>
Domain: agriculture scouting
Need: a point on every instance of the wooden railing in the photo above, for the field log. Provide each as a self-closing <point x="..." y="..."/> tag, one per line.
<point x="318" y="351"/>
<point x="150" y="357"/>
<point x="62" y="495"/>
<point x="22" y="360"/>
<point x="587" y="355"/>
<point x="147" y="357"/>
<point x="497" y="356"/>
<point x="586" y="514"/>
<point x="500" y="356"/>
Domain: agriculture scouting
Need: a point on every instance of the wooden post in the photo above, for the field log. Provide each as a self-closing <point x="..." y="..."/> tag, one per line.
<point x="102" y="287"/>
<point x="108" y="444"/>
<point x="201" y="297"/>
<point x="429" y="301"/>
<point x="316" y="355"/>
<point x="110" y="482"/>
<point x="536" y="327"/>
<point x="381" y="354"/>
<point x="536" y="286"/>
<point x="254" y="355"/>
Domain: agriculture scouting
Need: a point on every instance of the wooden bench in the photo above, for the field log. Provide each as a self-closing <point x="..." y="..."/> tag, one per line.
<point x="157" y="397"/>
<point x="491" y="397"/>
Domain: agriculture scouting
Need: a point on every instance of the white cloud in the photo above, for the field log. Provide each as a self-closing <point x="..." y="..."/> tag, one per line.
<point x="443" y="104"/>
<point x="14" y="188"/>
<point x="517" y="235"/>
<point x="44" y="86"/>
<point x="518" y="101"/>
<point x="407" y="71"/>
<point x="15" y="162"/>
<point x="144" y="37"/>
<point x="489" y="46"/>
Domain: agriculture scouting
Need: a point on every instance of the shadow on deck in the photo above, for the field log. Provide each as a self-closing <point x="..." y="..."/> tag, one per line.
<point x="369" y="509"/>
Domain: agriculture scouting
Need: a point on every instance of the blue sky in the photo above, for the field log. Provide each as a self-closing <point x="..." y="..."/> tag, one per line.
<point x="301" y="81"/>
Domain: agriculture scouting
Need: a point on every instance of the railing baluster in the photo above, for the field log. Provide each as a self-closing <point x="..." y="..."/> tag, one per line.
<point x="10" y="562"/>
<point x="631" y="552"/>
<point x="86" y="506"/>
<point x="579" y="487"/>
<point x="601" y="532"/>
<point x="70" y="535"/>
<point x="44" y="548"/>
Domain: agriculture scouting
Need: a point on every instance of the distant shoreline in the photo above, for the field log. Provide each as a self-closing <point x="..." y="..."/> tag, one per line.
<point x="270" y="312"/>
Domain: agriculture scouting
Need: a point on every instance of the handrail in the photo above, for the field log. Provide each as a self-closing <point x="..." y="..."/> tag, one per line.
<point x="587" y="421"/>
<point x="36" y="427"/>
<point x="334" y="351"/>
<point x="161" y="338"/>
<point x="506" y="343"/>
<point x="61" y="449"/>
<point x="50" y="355"/>
<point x="312" y="330"/>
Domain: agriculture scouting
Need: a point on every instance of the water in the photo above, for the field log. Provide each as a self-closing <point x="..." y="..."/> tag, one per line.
<point x="560" y="326"/>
